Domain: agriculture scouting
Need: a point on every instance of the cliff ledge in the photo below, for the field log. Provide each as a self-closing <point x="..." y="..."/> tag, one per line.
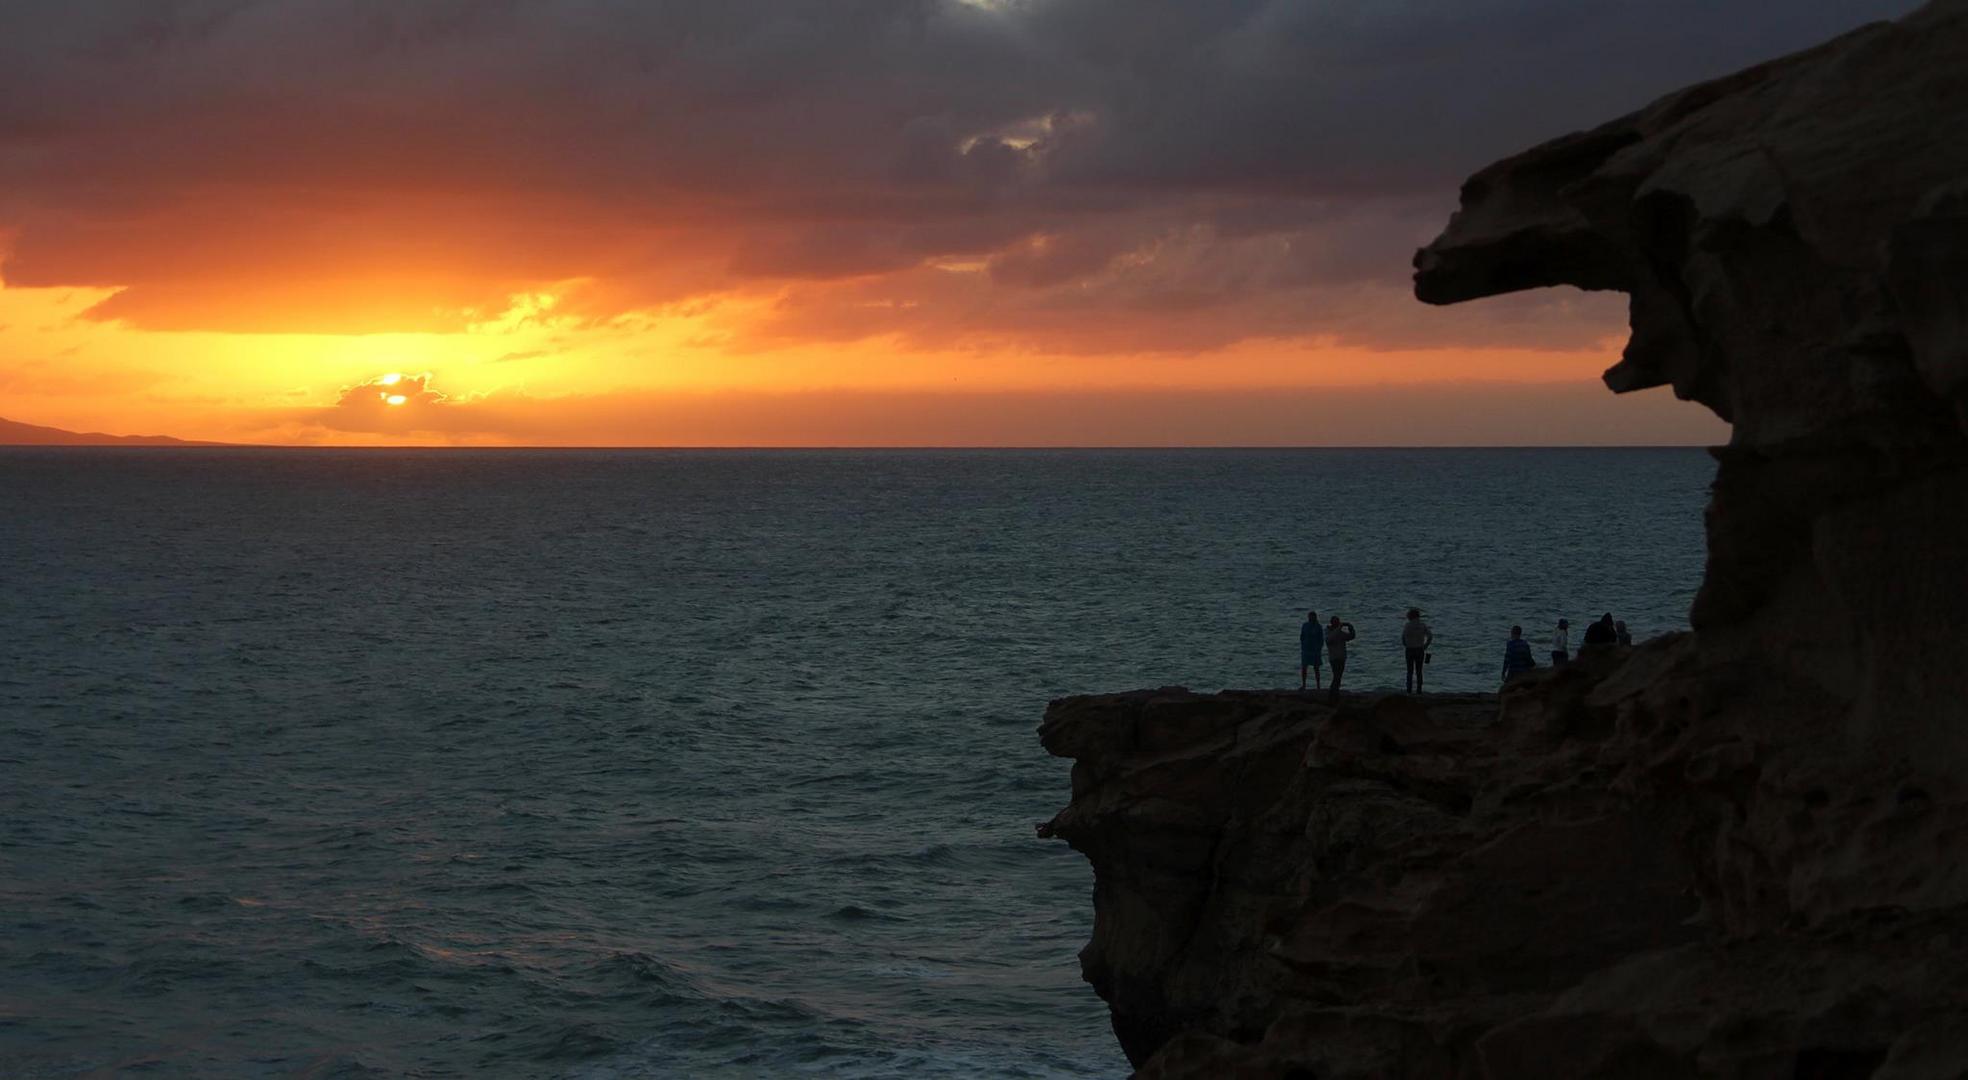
<point x="1733" y="852"/>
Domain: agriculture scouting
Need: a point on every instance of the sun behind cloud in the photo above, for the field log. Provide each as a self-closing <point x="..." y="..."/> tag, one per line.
<point x="388" y="394"/>
<point x="384" y="404"/>
<point x="222" y="220"/>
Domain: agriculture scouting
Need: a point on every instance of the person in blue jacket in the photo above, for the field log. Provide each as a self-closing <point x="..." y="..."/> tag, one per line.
<point x="1311" y="646"/>
<point x="1517" y="657"/>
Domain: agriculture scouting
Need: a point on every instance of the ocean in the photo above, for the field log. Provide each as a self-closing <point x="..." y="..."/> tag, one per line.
<point x="606" y="764"/>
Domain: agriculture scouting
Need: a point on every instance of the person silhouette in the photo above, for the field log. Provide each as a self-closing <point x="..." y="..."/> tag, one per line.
<point x="1517" y="658"/>
<point x="1601" y="633"/>
<point x="1337" y="635"/>
<point x="1415" y="639"/>
<point x="1561" y="644"/>
<point x="1621" y="633"/>
<point x="1311" y="641"/>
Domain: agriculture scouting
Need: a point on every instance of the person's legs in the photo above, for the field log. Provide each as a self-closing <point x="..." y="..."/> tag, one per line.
<point x="1413" y="672"/>
<point x="1339" y="671"/>
<point x="1421" y="667"/>
<point x="1318" y="677"/>
<point x="1301" y="676"/>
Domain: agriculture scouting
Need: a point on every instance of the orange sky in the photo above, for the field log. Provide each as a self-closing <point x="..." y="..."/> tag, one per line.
<point x="766" y="223"/>
<point x="689" y="374"/>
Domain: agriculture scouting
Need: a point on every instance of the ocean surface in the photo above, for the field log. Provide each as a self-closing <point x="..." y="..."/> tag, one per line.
<point x="650" y="764"/>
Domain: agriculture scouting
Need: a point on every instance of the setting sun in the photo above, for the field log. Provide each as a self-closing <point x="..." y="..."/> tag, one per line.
<point x="792" y="266"/>
<point x="965" y="538"/>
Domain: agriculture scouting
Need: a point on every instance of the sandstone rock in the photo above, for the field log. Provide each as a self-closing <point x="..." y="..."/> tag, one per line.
<point x="1794" y="239"/>
<point x="1446" y="887"/>
<point x="1348" y="889"/>
<point x="1736" y="852"/>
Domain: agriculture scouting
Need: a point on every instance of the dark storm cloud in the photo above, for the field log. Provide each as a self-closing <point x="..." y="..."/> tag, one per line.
<point x="411" y="162"/>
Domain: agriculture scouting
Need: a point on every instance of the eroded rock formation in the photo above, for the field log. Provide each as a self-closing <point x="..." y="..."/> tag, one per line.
<point x="1457" y="887"/>
<point x="1794" y="239"/>
<point x="1741" y="851"/>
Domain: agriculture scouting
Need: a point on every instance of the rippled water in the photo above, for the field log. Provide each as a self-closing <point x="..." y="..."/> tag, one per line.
<point x="602" y="764"/>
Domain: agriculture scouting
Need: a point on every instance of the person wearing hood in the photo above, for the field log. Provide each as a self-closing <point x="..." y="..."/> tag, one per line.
<point x="1601" y="633"/>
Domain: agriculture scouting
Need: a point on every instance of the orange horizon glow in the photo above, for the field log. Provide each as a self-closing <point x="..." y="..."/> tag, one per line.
<point x="524" y="376"/>
<point x="759" y="223"/>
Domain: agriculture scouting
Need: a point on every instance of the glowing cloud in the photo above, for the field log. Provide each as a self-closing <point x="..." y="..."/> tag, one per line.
<point x="240" y="210"/>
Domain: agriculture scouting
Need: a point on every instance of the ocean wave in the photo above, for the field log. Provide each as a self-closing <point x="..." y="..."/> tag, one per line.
<point x="858" y="913"/>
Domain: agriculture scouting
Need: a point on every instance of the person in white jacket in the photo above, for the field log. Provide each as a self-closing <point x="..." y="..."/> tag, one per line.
<point x="1561" y="643"/>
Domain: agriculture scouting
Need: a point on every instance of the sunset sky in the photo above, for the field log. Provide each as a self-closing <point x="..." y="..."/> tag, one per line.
<point x="810" y="222"/>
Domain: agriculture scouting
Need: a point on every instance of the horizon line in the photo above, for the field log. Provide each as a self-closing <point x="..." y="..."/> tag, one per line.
<point x="149" y="447"/>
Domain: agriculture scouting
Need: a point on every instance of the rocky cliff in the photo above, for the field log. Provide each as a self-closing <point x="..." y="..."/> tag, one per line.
<point x="1733" y="852"/>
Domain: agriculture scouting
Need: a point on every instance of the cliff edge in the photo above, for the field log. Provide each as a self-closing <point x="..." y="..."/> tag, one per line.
<point x="1738" y="851"/>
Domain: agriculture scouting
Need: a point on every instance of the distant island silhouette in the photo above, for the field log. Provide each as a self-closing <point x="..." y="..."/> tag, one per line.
<point x="15" y="433"/>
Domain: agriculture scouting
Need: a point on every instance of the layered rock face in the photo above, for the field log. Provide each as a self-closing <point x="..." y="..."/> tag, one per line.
<point x="1741" y="851"/>
<point x="1452" y="886"/>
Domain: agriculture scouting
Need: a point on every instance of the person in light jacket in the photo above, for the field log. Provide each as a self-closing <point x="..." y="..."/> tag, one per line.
<point x="1561" y="644"/>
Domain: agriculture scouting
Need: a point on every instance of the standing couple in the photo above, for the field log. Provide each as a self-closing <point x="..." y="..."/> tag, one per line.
<point x="1332" y="640"/>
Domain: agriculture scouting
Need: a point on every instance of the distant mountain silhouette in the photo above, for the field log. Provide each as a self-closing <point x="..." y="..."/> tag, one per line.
<point x="15" y="433"/>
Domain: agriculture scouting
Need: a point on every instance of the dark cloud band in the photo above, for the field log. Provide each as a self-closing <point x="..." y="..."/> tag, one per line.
<point x="985" y="167"/>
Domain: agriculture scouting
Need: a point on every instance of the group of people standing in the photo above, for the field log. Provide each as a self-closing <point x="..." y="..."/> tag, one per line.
<point x="1416" y="637"/>
<point x="1317" y="644"/>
